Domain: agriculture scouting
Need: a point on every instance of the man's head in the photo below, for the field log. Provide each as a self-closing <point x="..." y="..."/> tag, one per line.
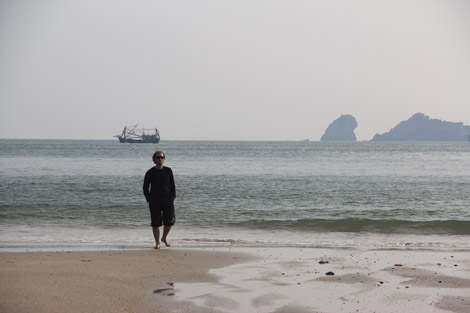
<point x="158" y="158"/>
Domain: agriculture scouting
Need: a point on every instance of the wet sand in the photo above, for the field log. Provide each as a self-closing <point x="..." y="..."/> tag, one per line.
<point x="236" y="280"/>
<point x="296" y="280"/>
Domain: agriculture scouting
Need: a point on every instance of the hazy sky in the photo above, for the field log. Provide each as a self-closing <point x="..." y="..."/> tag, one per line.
<point x="229" y="70"/>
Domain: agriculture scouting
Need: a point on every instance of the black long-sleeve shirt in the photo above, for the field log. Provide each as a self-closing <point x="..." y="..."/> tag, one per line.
<point x="159" y="184"/>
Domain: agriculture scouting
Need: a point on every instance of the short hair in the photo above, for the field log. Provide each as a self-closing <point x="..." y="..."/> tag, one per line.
<point x="157" y="152"/>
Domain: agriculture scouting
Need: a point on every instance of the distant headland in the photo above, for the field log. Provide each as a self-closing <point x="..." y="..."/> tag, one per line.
<point x="342" y="129"/>
<point x="422" y="128"/>
<point x="417" y="128"/>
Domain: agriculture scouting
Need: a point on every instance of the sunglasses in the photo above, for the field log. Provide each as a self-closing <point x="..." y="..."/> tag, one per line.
<point x="160" y="157"/>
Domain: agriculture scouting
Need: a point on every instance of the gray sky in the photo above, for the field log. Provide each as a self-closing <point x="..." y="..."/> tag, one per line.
<point x="229" y="70"/>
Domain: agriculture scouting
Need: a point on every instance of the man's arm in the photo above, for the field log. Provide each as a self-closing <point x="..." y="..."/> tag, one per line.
<point x="172" y="185"/>
<point x="146" y="186"/>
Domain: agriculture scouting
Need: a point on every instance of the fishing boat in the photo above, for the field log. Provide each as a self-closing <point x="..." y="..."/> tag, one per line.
<point x="139" y="135"/>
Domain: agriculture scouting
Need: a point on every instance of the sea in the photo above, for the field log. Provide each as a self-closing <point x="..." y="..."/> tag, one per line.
<point x="67" y="195"/>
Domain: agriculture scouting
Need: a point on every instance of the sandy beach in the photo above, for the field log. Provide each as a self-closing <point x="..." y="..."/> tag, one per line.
<point x="236" y="280"/>
<point x="103" y="281"/>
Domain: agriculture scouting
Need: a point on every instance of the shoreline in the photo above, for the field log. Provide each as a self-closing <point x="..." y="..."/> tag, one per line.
<point x="235" y="279"/>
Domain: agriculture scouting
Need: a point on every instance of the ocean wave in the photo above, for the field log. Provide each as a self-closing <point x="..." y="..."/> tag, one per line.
<point x="357" y="225"/>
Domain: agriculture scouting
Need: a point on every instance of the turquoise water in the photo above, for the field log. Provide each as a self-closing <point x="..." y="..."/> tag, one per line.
<point x="69" y="194"/>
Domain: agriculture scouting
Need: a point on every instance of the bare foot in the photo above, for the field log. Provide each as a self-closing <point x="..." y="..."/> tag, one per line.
<point x="157" y="246"/>
<point x="166" y="242"/>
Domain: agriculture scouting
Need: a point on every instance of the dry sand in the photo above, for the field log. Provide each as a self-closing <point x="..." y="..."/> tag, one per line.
<point x="240" y="280"/>
<point x="105" y="281"/>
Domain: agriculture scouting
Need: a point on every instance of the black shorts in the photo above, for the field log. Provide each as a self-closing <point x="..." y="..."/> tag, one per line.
<point x="162" y="213"/>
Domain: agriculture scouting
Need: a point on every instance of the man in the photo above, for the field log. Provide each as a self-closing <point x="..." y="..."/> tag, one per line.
<point x="159" y="191"/>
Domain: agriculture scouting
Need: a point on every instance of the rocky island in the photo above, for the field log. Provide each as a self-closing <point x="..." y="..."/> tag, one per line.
<point x="422" y="128"/>
<point x="342" y="129"/>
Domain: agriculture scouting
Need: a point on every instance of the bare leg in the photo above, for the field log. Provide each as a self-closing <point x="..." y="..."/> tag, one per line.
<point x="166" y="230"/>
<point x="156" y="235"/>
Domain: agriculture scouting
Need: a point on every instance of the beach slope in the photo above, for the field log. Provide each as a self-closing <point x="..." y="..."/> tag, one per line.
<point x="237" y="280"/>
